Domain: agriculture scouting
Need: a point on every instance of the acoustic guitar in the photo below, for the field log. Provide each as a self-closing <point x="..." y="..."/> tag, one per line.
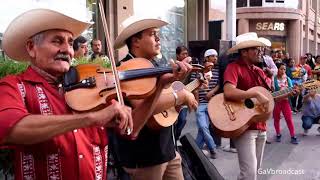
<point x="232" y="118"/>
<point x="169" y="116"/>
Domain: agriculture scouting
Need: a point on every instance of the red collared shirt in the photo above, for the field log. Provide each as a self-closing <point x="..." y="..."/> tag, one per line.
<point x="80" y="154"/>
<point x="245" y="77"/>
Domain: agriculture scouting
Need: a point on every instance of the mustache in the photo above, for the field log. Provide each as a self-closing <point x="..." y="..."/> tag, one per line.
<point x="64" y="57"/>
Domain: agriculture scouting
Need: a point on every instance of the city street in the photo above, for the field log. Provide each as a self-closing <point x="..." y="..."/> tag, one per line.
<point x="300" y="162"/>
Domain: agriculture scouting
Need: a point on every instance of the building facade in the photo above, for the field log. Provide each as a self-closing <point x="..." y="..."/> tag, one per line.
<point x="291" y="25"/>
<point x="188" y="20"/>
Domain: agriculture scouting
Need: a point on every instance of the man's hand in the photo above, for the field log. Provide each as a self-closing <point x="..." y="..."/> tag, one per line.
<point x="179" y="71"/>
<point x="190" y="100"/>
<point x="263" y="100"/>
<point x="268" y="72"/>
<point x="209" y="95"/>
<point x="120" y="117"/>
<point x="187" y="60"/>
<point x="295" y="90"/>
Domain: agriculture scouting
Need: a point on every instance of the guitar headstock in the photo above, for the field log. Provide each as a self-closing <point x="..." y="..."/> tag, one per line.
<point x="311" y="84"/>
<point x="199" y="68"/>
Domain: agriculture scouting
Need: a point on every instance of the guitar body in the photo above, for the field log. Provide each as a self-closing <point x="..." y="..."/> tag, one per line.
<point x="163" y="119"/>
<point x="231" y="118"/>
<point x="169" y="116"/>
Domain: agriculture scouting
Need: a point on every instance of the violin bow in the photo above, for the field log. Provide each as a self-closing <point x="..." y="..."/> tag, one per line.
<point x="110" y="52"/>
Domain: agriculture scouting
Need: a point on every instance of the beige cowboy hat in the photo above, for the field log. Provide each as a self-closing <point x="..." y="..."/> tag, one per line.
<point x="32" y="22"/>
<point x="247" y="40"/>
<point x="133" y="25"/>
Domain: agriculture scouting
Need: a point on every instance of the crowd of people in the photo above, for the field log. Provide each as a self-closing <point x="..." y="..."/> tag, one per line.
<point x="51" y="141"/>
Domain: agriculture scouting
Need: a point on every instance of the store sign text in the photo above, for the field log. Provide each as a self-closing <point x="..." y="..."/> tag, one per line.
<point x="270" y="26"/>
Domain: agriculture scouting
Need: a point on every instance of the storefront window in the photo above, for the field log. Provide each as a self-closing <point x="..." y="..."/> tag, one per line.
<point x="242" y="3"/>
<point x="255" y="2"/>
<point x="172" y="35"/>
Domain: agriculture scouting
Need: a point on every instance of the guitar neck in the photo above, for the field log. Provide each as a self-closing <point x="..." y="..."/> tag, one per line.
<point x="193" y="85"/>
<point x="282" y="92"/>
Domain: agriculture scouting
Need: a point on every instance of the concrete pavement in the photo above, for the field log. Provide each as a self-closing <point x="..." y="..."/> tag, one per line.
<point x="299" y="162"/>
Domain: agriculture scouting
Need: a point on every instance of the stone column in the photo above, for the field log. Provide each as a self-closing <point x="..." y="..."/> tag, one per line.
<point x="316" y="28"/>
<point x="192" y="20"/>
<point x="203" y="18"/>
<point x="294" y="39"/>
<point x="123" y="9"/>
<point x="307" y="32"/>
<point x="231" y="19"/>
<point x="244" y="27"/>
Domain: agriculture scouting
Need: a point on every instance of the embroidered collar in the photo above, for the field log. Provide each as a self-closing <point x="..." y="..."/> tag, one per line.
<point x="35" y="75"/>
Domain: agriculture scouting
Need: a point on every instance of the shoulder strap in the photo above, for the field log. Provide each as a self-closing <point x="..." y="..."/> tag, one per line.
<point x="264" y="82"/>
<point x="262" y="79"/>
<point x="276" y="84"/>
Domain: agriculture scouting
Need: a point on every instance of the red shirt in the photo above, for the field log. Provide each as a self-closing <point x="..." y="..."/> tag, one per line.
<point x="308" y="69"/>
<point x="79" y="154"/>
<point x="244" y="77"/>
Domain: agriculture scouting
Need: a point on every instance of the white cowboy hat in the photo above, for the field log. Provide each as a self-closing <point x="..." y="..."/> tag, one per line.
<point x="32" y="22"/>
<point x="135" y="25"/>
<point x="248" y="40"/>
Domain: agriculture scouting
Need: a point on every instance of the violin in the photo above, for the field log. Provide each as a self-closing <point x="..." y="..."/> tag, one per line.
<point x="90" y="86"/>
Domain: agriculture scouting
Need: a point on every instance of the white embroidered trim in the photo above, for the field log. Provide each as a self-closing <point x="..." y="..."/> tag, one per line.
<point x="98" y="163"/>
<point x="106" y="155"/>
<point x="53" y="167"/>
<point x="43" y="102"/>
<point x="22" y="90"/>
<point x="28" y="171"/>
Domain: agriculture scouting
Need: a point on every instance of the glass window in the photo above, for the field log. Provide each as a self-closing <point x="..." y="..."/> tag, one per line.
<point x="269" y="1"/>
<point x="255" y="2"/>
<point x="242" y="3"/>
<point x="171" y="35"/>
<point x="279" y="1"/>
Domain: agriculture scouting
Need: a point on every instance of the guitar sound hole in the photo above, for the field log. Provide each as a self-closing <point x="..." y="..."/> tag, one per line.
<point x="249" y="103"/>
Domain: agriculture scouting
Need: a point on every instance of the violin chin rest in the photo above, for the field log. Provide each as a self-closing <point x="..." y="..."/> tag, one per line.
<point x="70" y="77"/>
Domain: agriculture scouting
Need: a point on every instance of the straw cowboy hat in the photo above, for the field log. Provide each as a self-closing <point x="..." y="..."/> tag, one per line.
<point x="32" y="22"/>
<point x="247" y="40"/>
<point x="135" y="25"/>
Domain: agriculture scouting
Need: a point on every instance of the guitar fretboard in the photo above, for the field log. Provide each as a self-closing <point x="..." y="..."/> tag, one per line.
<point x="310" y="84"/>
<point x="193" y="85"/>
<point x="282" y="92"/>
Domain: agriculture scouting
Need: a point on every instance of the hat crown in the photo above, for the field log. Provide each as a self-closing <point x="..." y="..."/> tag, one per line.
<point x="133" y="25"/>
<point x="247" y="40"/>
<point x="246" y="37"/>
<point x="32" y="22"/>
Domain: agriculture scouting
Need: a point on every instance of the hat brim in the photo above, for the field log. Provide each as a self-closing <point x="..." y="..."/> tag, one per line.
<point x="260" y="42"/>
<point x="135" y="28"/>
<point x="32" y="22"/>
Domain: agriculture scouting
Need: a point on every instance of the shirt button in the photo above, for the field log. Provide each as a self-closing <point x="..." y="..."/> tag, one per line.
<point x="80" y="156"/>
<point x="75" y="130"/>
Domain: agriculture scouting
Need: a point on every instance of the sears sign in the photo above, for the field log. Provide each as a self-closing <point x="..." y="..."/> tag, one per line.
<point x="270" y="26"/>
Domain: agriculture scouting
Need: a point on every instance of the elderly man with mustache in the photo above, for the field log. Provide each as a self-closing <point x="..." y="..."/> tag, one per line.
<point x="51" y="142"/>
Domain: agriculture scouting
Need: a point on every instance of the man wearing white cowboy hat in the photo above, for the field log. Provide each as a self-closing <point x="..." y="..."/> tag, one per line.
<point x="240" y="76"/>
<point x="152" y="155"/>
<point x="50" y="142"/>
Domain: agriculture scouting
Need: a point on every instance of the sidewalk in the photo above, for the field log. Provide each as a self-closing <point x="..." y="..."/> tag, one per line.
<point x="302" y="159"/>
